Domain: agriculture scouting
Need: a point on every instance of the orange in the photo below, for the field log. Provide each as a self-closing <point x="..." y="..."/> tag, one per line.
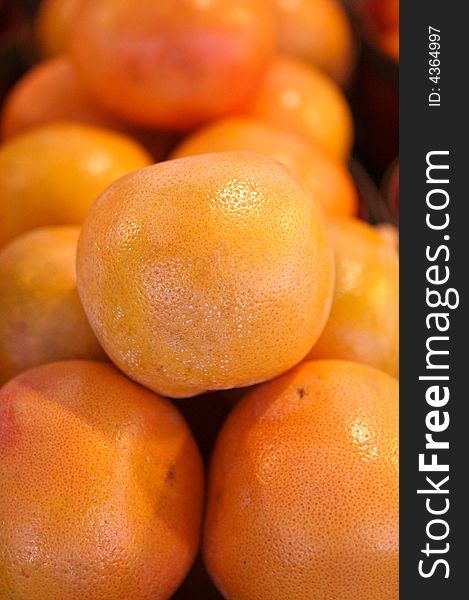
<point x="326" y="176"/>
<point x="102" y="487"/>
<point x="54" y="23"/>
<point x="298" y="97"/>
<point x="389" y="233"/>
<point x="41" y="317"/>
<point x="364" y="320"/>
<point x="204" y="273"/>
<point x="382" y="14"/>
<point x="303" y="488"/>
<point x="52" y="91"/>
<point x="52" y="174"/>
<point x="381" y="21"/>
<point x="318" y="31"/>
<point x="206" y="416"/>
<point x="173" y="64"/>
<point x="389" y="43"/>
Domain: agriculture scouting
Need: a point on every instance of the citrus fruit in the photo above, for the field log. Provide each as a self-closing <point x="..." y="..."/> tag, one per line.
<point x="318" y="31"/>
<point x="41" y="317"/>
<point x="364" y="320"/>
<point x="206" y="416"/>
<point x="389" y="43"/>
<point x="303" y="488"/>
<point x="102" y="487"/>
<point x="299" y="97"/>
<point x="54" y="23"/>
<point x="52" y="91"/>
<point x="52" y="174"/>
<point x="173" y="64"/>
<point x="207" y="272"/>
<point x="326" y="176"/>
<point x="389" y="233"/>
<point x="381" y="21"/>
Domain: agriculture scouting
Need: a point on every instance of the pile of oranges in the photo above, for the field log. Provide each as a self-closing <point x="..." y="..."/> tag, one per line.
<point x="180" y="243"/>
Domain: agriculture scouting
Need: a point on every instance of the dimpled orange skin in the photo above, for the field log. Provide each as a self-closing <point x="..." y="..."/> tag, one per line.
<point x="303" y="488"/>
<point x="298" y="97"/>
<point x="207" y="272"/>
<point x="52" y="174"/>
<point x="326" y="176"/>
<point x="52" y="91"/>
<point x="54" y="23"/>
<point x="102" y="487"/>
<point x="318" y="31"/>
<point x="364" y="320"/>
<point x="173" y="65"/>
<point x="41" y="317"/>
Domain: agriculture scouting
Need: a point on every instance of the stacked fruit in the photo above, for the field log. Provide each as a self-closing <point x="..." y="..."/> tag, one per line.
<point x="381" y="20"/>
<point x="178" y="221"/>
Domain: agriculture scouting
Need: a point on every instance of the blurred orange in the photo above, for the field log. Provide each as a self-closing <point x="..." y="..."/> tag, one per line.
<point x="41" y="317"/>
<point x="52" y="174"/>
<point x="381" y="22"/>
<point x="364" y="321"/>
<point x="318" y="31"/>
<point x="389" y="42"/>
<point x="173" y="65"/>
<point x="327" y="177"/>
<point x="389" y="233"/>
<point x="54" y="23"/>
<point x="297" y="96"/>
<point x="52" y="91"/>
